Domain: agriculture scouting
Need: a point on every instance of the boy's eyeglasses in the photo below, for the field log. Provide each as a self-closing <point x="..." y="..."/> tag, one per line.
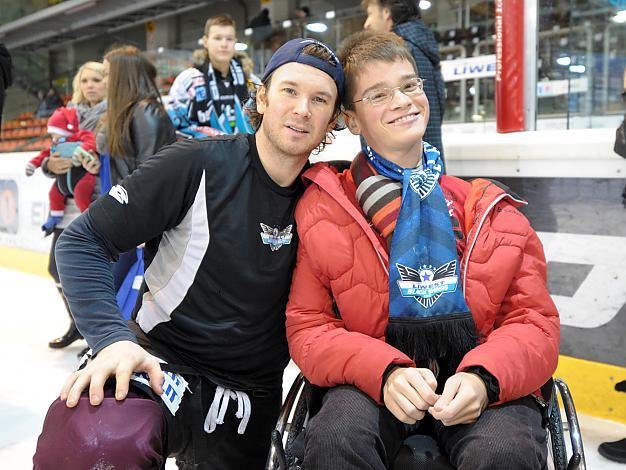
<point x="412" y="87"/>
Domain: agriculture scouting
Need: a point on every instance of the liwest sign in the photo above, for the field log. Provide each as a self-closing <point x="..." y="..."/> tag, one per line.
<point x="469" y="67"/>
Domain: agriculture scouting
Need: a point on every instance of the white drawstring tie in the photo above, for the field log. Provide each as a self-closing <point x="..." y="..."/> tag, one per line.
<point x="218" y="408"/>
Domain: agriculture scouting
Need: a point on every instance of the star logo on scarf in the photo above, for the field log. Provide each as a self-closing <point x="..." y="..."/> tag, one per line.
<point x="427" y="284"/>
<point x="274" y="237"/>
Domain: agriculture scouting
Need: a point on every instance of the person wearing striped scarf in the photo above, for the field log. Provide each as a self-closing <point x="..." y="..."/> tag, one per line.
<point x="418" y="299"/>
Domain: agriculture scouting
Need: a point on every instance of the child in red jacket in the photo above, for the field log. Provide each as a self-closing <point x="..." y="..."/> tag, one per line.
<point x="77" y="182"/>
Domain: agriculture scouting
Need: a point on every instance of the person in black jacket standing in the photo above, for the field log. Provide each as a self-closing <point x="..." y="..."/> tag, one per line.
<point x="403" y="18"/>
<point x="6" y="75"/>
<point x="217" y="217"/>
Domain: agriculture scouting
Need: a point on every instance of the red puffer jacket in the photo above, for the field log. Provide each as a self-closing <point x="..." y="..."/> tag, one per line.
<point x="338" y="305"/>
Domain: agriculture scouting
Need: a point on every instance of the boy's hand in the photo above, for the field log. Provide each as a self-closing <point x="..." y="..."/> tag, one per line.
<point x="409" y="392"/>
<point x="462" y="401"/>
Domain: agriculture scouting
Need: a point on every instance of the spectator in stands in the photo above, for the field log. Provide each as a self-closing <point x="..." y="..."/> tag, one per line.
<point x="48" y="103"/>
<point x="302" y="13"/>
<point x="248" y="68"/>
<point x="380" y="310"/>
<point x="89" y="91"/>
<point x="198" y="57"/>
<point x="213" y="94"/>
<point x="88" y="95"/>
<point x="403" y="17"/>
<point x="6" y="75"/>
<point x="217" y="218"/>
<point x="261" y="27"/>
<point x="616" y="450"/>
<point x="41" y="105"/>
<point x="262" y="19"/>
<point x="134" y="127"/>
<point x="276" y="39"/>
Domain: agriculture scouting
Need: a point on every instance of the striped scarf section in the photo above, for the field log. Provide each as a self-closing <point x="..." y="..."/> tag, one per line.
<point x="379" y="197"/>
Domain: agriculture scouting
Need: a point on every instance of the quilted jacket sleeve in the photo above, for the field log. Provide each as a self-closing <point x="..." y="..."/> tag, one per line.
<point x="522" y="349"/>
<point x="87" y="138"/>
<point x="328" y="353"/>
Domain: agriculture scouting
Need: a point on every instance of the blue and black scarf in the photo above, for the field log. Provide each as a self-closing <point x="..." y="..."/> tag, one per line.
<point x="429" y="319"/>
<point x="213" y="109"/>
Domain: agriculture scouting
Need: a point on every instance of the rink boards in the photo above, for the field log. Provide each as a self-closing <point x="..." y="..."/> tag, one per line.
<point x="572" y="181"/>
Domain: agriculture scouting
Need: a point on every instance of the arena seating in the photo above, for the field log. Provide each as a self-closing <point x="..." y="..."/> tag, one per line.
<point x="24" y="133"/>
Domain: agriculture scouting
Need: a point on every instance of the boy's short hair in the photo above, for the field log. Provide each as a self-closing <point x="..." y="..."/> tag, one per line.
<point x="219" y="20"/>
<point x="366" y="46"/>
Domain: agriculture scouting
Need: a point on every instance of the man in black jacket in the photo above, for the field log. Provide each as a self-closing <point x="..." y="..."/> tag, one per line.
<point x="6" y="75"/>
<point x="217" y="216"/>
<point x="403" y="18"/>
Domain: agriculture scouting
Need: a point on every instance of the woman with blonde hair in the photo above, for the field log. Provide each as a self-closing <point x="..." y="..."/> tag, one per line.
<point x="89" y="92"/>
<point x="88" y="96"/>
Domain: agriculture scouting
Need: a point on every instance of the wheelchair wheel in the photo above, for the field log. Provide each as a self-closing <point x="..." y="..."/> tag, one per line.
<point x="556" y="436"/>
<point x="558" y="428"/>
<point x="284" y="454"/>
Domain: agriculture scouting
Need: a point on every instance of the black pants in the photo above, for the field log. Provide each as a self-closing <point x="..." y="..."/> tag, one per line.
<point x="352" y="432"/>
<point x="52" y="262"/>
<point x="224" y="448"/>
<point x="52" y="267"/>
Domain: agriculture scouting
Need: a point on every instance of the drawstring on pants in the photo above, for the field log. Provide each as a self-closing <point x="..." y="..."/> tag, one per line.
<point x="218" y="408"/>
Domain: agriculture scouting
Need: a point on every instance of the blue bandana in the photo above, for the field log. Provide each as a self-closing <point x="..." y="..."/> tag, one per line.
<point x="428" y="316"/>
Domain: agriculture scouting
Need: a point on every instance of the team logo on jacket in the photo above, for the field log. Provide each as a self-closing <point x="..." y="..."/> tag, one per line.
<point x="119" y="194"/>
<point x="427" y="283"/>
<point x="275" y="237"/>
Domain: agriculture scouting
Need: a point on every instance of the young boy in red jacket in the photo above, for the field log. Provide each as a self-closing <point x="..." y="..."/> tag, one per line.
<point x="77" y="182"/>
<point x="418" y="299"/>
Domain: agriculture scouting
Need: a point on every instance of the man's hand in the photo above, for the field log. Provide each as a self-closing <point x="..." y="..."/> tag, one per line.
<point x="119" y="359"/>
<point x="462" y="401"/>
<point x="409" y="392"/>
<point x="58" y="165"/>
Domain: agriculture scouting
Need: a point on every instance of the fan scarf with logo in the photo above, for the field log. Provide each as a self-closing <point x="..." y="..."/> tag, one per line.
<point x="219" y="103"/>
<point x="428" y="317"/>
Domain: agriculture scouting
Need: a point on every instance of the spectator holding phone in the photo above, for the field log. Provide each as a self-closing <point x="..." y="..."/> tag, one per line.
<point x="70" y="142"/>
<point x="135" y="125"/>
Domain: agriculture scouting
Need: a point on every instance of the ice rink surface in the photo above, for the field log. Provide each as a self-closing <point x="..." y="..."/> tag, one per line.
<point x="33" y="313"/>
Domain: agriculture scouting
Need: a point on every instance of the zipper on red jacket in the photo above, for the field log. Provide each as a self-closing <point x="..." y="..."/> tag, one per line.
<point x="480" y="225"/>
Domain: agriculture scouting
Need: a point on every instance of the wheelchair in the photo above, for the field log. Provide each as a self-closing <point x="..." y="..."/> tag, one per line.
<point x="418" y="451"/>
